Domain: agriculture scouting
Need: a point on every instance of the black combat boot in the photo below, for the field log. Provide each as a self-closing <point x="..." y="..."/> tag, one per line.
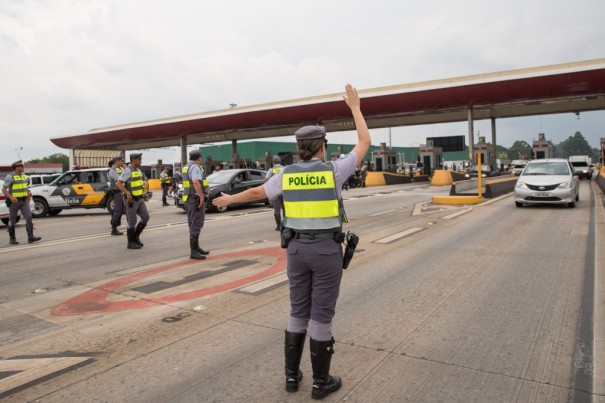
<point x="137" y="233"/>
<point x="278" y="222"/>
<point x="197" y="246"/>
<point x="321" y="356"/>
<point x="11" y="234"/>
<point x="30" y="233"/>
<point x="293" y="348"/>
<point x="132" y="243"/>
<point x="195" y="253"/>
<point x="114" y="229"/>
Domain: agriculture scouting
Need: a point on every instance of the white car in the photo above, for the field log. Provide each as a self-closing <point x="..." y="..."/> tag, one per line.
<point x="4" y="210"/>
<point x="548" y="181"/>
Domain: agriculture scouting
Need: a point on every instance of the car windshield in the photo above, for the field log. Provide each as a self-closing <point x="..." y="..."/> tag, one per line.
<point x="547" y="168"/>
<point x="219" y="178"/>
<point x="579" y="163"/>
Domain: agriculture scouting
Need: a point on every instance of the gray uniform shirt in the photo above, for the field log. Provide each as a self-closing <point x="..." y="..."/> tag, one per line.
<point x="195" y="173"/>
<point x="8" y="181"/>
<point x="343" y="168"/>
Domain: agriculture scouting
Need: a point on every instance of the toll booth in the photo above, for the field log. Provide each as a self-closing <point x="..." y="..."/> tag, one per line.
<point x="487" y="151"/>
<point x="336" y="155"/>
<point x="542" y="148"/>
<point x="384" y="160"/>
<point x="431" y="157"/>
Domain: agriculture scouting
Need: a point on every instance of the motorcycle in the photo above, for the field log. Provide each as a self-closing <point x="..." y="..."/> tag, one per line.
<point x="354" y="181"/>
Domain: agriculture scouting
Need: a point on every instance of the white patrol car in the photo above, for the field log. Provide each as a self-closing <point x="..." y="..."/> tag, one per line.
<point x="85" y="188"/>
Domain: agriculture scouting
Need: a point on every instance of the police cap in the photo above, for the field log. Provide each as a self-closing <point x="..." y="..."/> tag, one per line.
<point x="135" y="156"/>
<point x="16" y="164"/>
<point x="310" y="133"/>
<point x="276" y="159"/>
<point x="194" y="154"/>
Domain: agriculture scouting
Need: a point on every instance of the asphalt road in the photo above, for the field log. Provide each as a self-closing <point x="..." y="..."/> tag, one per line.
<point x="441" y="303"/>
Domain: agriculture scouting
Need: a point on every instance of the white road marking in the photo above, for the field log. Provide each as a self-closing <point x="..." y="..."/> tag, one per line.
<point x="382" y="212"/>
<point x="261" y="285"/>
<point x="449" y="217"/>
<point x="399" y="235"/>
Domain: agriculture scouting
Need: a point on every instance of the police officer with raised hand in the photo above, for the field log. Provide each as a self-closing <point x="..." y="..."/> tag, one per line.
<point x="16" y="191"/>
<point x="132" y="184"/>
<point x="278" y="203"/>
<point x="117" y="167"/>
<point x="313" y="221"/>
<point x="194" y="186"/>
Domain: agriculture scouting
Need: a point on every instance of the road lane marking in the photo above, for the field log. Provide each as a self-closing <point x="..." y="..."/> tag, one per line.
<point x="265" y="285"/>
<point x="449" y="217"/>
<point x="21" y="373"/>
<point x="399" y="235"/>
<point x="382" y="212"/>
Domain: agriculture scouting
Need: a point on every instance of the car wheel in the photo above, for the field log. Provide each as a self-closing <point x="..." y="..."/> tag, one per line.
<point x="518" y="204"/>
<point x="54" y="211"/>
<point x="220" y="209"/>
<point x="5" y="221"/>
<point x="571" y="204"/>
<point x="40" y="208"/>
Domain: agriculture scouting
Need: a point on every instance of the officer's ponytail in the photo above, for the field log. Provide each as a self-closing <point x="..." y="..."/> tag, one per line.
<point x="308" y="148"/>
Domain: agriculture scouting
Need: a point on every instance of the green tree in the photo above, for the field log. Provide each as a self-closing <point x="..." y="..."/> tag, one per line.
<point x="519" y="150"/>
<point x="574" y="145"/>
<point x="52" y="159"/>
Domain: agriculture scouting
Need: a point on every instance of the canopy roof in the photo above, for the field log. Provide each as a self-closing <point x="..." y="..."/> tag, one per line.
<point x="571" y="87"/>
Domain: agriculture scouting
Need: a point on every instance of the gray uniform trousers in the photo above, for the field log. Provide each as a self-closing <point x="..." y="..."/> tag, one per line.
<point x="278" y="207"/>
<point x="118" y="208"/>
<point x="139" y="208"/>
<point x="25" y="211"/>
<point x="195" y="217"/>
<point x="314" y="274"/>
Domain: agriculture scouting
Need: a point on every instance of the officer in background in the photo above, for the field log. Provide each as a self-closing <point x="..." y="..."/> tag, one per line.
<point x="132" y="184"/>
<point x="166" y="181"/>
<point x="194" y="186"/>
<point x="313" y="219"/>
<point x="117" y="167"/>
<point x="16" y="191"/>
<point x="278" y="203"/>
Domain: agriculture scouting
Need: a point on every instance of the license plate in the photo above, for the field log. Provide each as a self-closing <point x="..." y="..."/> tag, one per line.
<point x="544" y="194"/>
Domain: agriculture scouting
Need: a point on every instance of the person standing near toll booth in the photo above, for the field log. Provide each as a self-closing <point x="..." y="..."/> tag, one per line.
<point x="166" y="181"/>
<point x="132" y="184"/>
<point x="117" y="167"/>
<point x="312" y="233"/>
<point x="195" y="185"/>
<point x="278" y="203"/>
<point x="16" y="191"/>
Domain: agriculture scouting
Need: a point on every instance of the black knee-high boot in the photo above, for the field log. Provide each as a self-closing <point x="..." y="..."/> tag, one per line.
<point x="293" y="348"/>
<point x="11" y="234"/>
<point x="137" y="233"/>
<point x="321" y="357"/>
<point x="132" y="243"/>
<point x="29" y="227"/>
<point x="195" y="253"/>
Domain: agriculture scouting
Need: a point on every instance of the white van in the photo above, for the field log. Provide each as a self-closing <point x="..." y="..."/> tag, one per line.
<point x="581" y="165"/>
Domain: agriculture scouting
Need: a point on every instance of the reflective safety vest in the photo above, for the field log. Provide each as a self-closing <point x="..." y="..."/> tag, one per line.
<point x="276" y="169"/>
<point x="187" y="185"/>
<point x="112" y="181"/>
<point x="135" y="184"/>
<point x="310" y="199"/>
<point x="166" y="178"/>
<point x="19" y="186"/>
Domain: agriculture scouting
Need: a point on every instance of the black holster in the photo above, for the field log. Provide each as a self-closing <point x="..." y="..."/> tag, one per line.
<point x="352" y="241"/>
<point x="286" y="236"/>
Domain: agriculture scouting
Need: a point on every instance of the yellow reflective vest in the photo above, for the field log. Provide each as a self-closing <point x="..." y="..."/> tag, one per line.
<point x="187" y="185"/>
<point x="19" y="186"/>
<point x="310" y="198"/>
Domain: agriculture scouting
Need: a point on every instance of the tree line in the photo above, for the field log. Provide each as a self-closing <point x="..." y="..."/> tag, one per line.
<point x="573" y="145"/>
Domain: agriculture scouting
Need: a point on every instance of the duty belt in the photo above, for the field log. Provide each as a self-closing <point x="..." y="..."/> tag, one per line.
<point x="316" y="235"/>
<point x="21" y="198"/>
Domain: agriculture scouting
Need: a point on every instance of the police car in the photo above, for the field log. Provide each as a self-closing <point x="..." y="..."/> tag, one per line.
<point x="86" y="188"/>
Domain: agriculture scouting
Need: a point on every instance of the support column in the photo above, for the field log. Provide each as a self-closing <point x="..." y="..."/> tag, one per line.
<point x="234" y="149"/>
<point x="183" y="151"/>
<point x="471" y="135"/>
<point x="494" y="143"/>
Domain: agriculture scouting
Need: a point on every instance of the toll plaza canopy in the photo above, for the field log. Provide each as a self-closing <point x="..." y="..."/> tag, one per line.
<point x="571" y="87"/>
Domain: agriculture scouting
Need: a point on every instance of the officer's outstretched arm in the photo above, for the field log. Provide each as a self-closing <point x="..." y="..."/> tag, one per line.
<point x="257" y="193"/>
<point x="364" y="141"/>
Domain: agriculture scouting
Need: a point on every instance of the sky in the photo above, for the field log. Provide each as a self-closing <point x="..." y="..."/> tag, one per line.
<point x="68" y="66"/>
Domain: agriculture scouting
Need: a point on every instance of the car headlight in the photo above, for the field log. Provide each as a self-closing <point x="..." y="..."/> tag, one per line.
<point x="564" y="185"/>
<point x="521" y="185"/>
<point x="467" y="176"/>
<point x="483" y="175"/>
